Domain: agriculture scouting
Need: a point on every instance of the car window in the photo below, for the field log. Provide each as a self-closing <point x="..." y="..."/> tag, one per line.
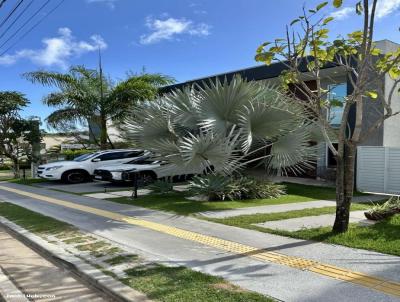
<point x="137" y="161"/>
<point x="111" y="156"/>
<point x="136" y="153"/>
<point x="84" y="157"/>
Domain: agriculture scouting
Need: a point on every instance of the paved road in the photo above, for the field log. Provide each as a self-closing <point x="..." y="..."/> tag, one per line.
<point x="280" y="281"/>
<point x="34" y="275"/>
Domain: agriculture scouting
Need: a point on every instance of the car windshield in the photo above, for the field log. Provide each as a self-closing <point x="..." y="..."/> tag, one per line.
<point x="84" y="157"/>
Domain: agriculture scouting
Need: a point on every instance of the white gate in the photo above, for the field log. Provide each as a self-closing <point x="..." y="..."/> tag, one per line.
<point x="378" y="169"/>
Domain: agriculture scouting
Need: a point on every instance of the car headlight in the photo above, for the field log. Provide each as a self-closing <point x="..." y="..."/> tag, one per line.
<point x="53" y="168"/>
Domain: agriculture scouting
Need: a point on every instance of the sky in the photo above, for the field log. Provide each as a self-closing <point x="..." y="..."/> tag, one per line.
<point x="185" y="39"/>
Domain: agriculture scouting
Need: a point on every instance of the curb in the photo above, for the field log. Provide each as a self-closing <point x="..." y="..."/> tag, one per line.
<point x="90" y="275"/>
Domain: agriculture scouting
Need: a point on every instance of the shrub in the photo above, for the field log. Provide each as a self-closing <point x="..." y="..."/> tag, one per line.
<point x="71" y="154"/>
<point x="161" y="187"/>
<point x="257" y="189"/>
<point x="219" y="187"/>
<point x="215" y="187"/>
<point x="385" y="210"/>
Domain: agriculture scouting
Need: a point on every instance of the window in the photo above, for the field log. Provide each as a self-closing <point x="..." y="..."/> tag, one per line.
<point x="84" y="157"/>
<point x="112" y="156"/>
<point x="336" y="95"/>
<point x="133" y="154"/>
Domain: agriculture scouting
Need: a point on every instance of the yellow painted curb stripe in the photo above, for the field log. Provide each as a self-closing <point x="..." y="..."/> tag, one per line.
<point x="379" y="284"/>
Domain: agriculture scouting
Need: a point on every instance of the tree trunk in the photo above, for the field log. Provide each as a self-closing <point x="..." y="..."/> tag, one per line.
<point x="16" y="170"/>
<point x="344" y="187"/>
<point x="103" y="132"/>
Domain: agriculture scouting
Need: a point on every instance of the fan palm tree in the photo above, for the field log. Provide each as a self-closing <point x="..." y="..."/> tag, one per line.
<point x="223" y="126"/>
<point x="84" y="95"/>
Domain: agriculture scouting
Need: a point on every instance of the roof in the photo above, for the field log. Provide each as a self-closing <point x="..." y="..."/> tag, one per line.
<point x="256" y="73"/>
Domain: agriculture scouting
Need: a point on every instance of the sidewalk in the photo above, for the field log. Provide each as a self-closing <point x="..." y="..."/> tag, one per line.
<point x="287" y="207"/>
<point x="36" y="276"/>
<point x="280" y="281"/>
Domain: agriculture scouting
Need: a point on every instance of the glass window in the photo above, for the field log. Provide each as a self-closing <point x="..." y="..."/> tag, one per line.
<point x="112" y="156"/>
<point x="133" y="154"/>
<point x="84" y="157"/>
<point x="337" y="94"/>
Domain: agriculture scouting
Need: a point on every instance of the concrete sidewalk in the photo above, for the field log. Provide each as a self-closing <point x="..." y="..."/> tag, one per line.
<point x="309" y="222"/>
<point x="36" y="276"/>
<point x="273" y="279"/>
<point x="287" y="207"/>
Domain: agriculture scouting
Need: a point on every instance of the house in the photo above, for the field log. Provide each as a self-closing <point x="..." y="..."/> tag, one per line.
<point x="336" y="79"/>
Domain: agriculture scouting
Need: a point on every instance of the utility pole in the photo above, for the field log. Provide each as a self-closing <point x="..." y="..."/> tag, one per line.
<point x="35" y="147"/>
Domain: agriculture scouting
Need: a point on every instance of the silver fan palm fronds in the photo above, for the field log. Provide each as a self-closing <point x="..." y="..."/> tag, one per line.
<point x="222" y="126"/>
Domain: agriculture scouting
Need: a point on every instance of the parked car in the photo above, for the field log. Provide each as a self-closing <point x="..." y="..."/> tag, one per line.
<point x="148" y="170"/>
<point x="82" y="167"/>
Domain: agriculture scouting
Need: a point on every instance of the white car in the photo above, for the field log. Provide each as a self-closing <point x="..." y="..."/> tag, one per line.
<point x="82" y="167"/>
<point x="148" y="170"/>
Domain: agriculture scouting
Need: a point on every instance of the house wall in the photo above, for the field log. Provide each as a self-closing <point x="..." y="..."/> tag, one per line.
<point x="391" y="127"/>
<point x="391" y="137"/>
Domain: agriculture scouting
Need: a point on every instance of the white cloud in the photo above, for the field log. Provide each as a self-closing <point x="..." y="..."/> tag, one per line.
<point x="383" y="9"/>
<point x="168" y="29"/>
<point x="56" y="51"/>
<point x="343" y="13"/>
<point x="109" y="3"/>
<point x="386" y="7"/>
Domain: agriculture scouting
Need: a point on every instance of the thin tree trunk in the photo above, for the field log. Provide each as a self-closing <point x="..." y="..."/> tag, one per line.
<point x="111" y="143"/>
<point x="103" y="132"/>
<point x="16" y="169"/>
<point x="344" y="188"/>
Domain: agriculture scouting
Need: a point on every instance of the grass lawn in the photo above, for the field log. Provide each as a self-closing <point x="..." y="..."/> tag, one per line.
<point x="176" y="202"/>
<point x="6" y="175"/>
<point x="173" y="284"/>
<point x="159" y="282"/>
<point x="27" y="181"/>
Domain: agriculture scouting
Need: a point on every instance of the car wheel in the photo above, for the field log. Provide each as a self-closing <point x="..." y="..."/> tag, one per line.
<point x="75" y="177"/>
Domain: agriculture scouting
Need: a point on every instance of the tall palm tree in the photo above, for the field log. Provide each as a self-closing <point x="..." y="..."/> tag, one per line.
<point x="223" y="126"/>
<point x="85" y="95"/>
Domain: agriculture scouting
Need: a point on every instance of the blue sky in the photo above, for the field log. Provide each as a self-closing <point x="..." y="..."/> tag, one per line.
<point x="183" y="39"/>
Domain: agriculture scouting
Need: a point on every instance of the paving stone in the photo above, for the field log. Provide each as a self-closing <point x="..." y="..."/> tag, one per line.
<point x="102" y="195"/>
<point x="309" y="222"/>
<point x="270" y="209"/>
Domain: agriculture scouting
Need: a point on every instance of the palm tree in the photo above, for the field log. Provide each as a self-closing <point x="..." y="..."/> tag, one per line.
<point x="224" y="126"/>
<point x="84" y="95"/>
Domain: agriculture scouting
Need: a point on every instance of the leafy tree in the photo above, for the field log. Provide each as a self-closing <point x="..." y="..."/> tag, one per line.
<point x="307" y="47"/>
<point x="15" y="132"/>
<point x="85" y="96"/>
<point x="223" y="126"/>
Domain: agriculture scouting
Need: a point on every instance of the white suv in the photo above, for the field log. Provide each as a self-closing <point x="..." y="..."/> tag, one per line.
<point x="82" y="167"/>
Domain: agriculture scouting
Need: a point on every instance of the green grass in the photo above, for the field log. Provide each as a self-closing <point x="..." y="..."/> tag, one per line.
<point x="176" y="202"/>
<point x="169" y="284"/>
<point x="35" y="222"/>
<point x="27" y="181"/>
<point x="6" y="175"/>
<point x="121" y="259"/>
<point x="173" y="284"/>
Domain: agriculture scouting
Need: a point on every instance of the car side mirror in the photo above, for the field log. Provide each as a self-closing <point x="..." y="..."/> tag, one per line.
<point x="95" y="160"/>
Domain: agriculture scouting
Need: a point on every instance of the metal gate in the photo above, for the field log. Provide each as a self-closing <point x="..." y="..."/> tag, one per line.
<point x="378" y="169"/>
